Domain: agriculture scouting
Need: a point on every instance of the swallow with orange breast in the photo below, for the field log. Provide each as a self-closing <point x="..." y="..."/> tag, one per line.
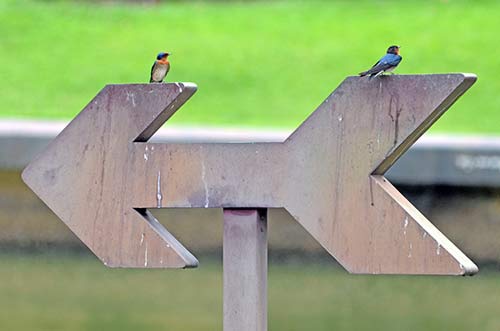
<point x="386" y="64"/>
<point x="160" y="68"/>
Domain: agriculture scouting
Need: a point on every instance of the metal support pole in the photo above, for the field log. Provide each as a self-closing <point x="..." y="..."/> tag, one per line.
<point x="245" y="270"/>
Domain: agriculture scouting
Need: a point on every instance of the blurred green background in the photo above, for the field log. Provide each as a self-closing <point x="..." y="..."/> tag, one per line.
<point x="264" y="64"/>
<point x="68" y="292"/>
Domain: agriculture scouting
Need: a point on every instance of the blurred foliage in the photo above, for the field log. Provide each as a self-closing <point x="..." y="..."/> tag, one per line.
<point x="256" y="63"/>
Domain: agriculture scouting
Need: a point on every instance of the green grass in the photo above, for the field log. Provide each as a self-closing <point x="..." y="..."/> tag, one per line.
<point x="265" y="64"/>
<point x="64" y="292"/>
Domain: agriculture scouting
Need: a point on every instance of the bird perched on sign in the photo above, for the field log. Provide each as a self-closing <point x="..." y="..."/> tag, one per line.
<point x="386" y="64"/>
<point x="160" y="68"/>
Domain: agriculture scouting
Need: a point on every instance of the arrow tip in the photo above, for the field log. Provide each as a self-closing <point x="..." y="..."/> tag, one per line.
<point x="80" y="175"/>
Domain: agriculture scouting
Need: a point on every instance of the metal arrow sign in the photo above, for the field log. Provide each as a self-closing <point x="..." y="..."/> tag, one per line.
<point x="100" y="175"/>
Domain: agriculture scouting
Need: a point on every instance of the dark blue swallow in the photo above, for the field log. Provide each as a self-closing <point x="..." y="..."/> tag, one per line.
<point x="386" y="64"/>
<point x="160" y="68"/>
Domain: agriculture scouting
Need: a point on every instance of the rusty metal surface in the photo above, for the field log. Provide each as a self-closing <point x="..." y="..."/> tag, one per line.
<point x="328" y="174"/>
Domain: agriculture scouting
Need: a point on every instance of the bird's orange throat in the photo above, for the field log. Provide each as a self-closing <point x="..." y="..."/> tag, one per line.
<point x="163" y="61"/>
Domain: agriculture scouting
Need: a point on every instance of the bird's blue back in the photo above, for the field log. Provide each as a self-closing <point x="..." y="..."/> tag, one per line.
<point x="391" y="59"/>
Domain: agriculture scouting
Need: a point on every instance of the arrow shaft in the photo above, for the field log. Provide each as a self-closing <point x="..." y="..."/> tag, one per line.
<point x="206" y="175"/>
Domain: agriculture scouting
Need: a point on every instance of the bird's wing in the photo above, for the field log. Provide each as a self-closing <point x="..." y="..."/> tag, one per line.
<point x="378" y="68"/>
<point x="386" y="62"/>
<point x="392" y="59"/>
<point x="151" y="74"/>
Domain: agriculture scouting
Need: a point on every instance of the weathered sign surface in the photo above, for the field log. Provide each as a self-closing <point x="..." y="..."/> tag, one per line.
<point x="100" y="175"/>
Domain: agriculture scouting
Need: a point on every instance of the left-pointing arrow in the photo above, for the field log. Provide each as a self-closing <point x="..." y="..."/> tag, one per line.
<point x="81" y="176"/>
